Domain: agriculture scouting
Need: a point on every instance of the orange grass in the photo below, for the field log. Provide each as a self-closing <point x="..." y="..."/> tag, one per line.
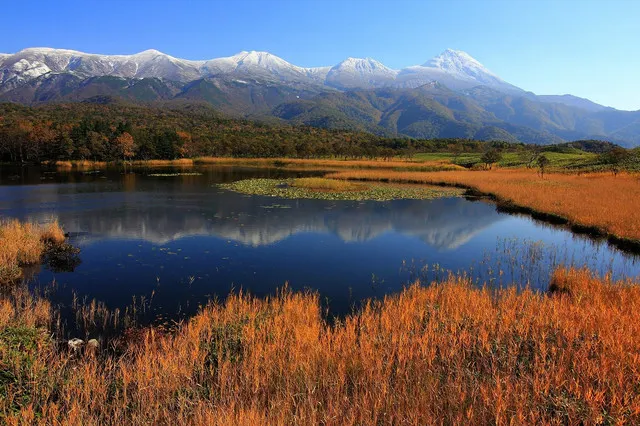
<point x="608" y="203"/>
<point x="23" y="244"/>
<point x="325" y="164"/>
<point x="177" y="162"/>
<point x="450" y="353"/>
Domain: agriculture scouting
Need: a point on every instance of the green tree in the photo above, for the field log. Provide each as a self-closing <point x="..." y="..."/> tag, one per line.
<point x="542" y="162"/>
<point x="617" y="158"/>
<point x="491" y="157"/>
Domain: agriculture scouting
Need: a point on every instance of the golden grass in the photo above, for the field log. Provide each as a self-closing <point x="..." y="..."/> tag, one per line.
<point x="177" y="162"/>
<point x="23" y="244"/>
<point x="326" y="164"/>
<point x="52" y="233"/>
<point x="450" y="353"/>
<point x="64" y="164"/>
<point x="78" y="164"/>
<point x="608" y="203"/>
<point x="321" y="184"/>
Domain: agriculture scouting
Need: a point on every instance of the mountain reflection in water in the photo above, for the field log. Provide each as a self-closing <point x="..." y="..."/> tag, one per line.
<point x="184" y="240"/>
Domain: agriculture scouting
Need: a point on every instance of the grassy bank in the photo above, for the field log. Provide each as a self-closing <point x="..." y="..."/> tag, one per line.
<point x="570" y="162"/>
<point x="450" y="353"/>
<point x="23" y="244"/>
<point x="574" y="160"/>
<point x="329" y="189"/>
<point x="329" y="164"/>
<point x="290" y="163"/>
<point x="599" y="202"/>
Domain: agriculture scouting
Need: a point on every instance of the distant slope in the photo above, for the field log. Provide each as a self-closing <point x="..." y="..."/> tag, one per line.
<point x="432" y="111"/>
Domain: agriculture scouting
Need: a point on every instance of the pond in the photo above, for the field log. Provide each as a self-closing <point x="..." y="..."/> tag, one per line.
<point x="175" y="241"/>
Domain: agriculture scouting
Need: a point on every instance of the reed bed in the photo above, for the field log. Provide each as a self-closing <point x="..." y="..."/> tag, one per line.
<point x="23" y="244"/>
<point x="79" y="164"/>
<point x="154" y="163"/>
<point x="325" y="164"/>
<point x="449" y="353"/>
<point x="606" y="203"/>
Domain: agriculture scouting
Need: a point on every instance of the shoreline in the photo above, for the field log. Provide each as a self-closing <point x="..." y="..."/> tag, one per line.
<point x="430" y="173"/>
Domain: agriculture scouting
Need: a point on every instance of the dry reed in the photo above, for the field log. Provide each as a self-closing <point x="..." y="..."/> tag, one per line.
<point x="23" y="244"/>
<point x="329" y="164"/>
<point x="608" y="203"/>
<point x="79" y="164"/>
<point x="449" y="353"/>
<point x="153" y="163"/>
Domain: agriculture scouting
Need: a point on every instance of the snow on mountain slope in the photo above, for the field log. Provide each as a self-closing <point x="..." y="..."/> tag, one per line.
<point x="16" y="70"/>
<point x="459" y="63"/>
<point x="261" y="64"/>
<point x="455" y="69"/>
<point x="29" y="64"/>
<point x="360" y="73"/>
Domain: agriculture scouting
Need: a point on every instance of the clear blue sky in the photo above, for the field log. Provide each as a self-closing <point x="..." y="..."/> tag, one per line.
<point x="586" y="48"/>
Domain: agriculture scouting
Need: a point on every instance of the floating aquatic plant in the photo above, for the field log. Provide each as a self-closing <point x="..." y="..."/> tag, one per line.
<point x="289" y="188"/>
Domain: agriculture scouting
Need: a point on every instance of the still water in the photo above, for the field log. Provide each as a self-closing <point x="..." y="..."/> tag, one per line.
<point x="180" y="240"/>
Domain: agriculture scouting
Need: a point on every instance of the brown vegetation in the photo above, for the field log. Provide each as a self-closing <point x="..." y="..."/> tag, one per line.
<point x="24" y="244"/>
<point x="78" y="164"/>
<point x="601" y="201"/>
<point x="329" y="164"/>
<point x="153" y="163"/>
<point x="450" y="353"/>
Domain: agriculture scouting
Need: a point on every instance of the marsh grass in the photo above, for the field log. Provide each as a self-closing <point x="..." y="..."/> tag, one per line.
<point x="154" y="163"/>
<point x="174" y="174"/>
<point x="598" y="202"/>
<point x="330" y="164"/>
<point x="78" y="164"/>
<point x="24" y="244"/>
<point x="449" y="353"/>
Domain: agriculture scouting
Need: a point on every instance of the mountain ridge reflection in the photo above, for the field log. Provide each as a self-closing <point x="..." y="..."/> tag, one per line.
<point x="259" y="221"/>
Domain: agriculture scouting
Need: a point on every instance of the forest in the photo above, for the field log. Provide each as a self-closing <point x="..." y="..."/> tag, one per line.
<point x="122" y="132"/>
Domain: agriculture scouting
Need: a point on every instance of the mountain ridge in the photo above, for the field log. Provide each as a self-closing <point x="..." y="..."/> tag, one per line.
<point x="458" y="68"/>
<point x="450" y="95"/>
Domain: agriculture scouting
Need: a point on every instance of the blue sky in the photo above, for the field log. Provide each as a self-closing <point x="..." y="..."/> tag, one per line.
<point x="586" y="48"/>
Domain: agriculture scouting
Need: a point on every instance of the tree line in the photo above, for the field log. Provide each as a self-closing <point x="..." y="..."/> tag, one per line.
<point x="121" y="132"/>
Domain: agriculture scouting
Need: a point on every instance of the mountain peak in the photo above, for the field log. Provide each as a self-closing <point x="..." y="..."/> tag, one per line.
<point x="47" y="50"/>
<point x="360" y="73"/>
<point x="363" y="64"/>
<point x="150" y="52"/>
<point x="455" y="60"/>
<point x="264" y="60"/>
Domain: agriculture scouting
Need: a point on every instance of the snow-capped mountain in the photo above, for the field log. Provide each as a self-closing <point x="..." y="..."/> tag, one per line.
<point x="29" y="64"/>
<point x="455" y="69"/>
<point x="360" y="73"/>
<point x="262" y="64"/>
<point x="451" y="95"/>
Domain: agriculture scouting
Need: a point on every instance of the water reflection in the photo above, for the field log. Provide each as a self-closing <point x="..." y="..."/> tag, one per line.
<point x="164" y="209"/>
<point x="184" y="240"/>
